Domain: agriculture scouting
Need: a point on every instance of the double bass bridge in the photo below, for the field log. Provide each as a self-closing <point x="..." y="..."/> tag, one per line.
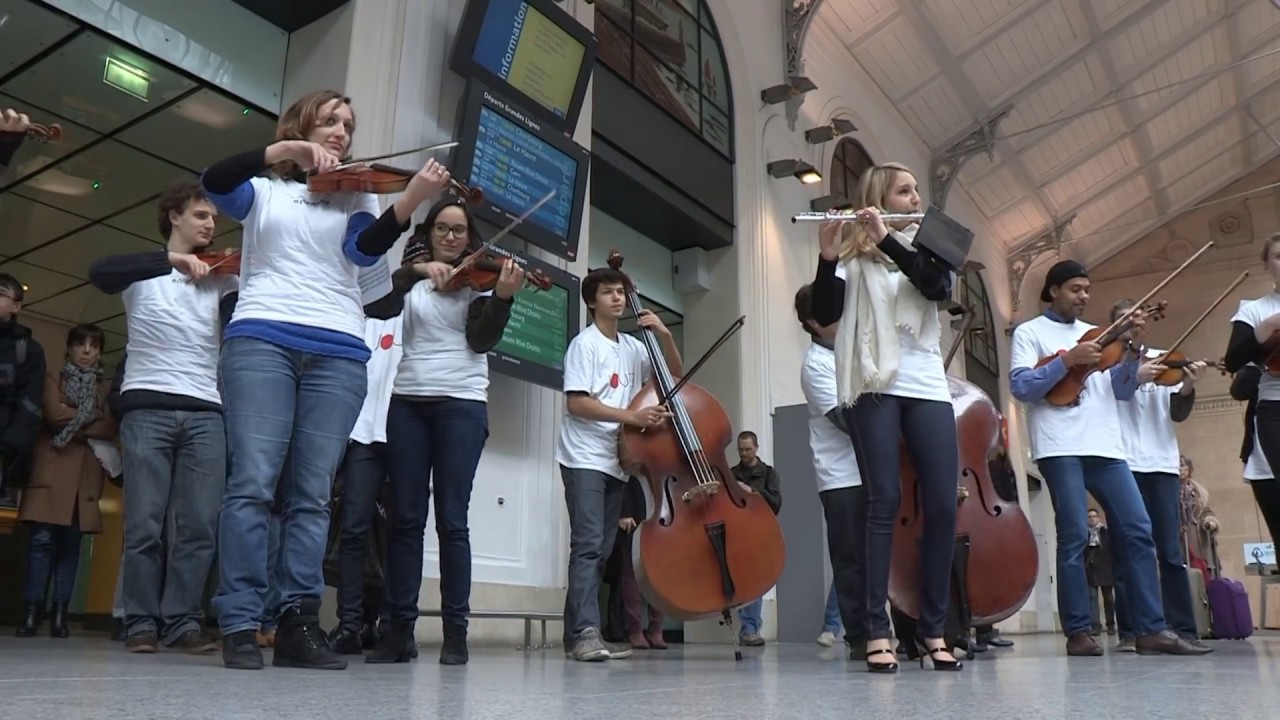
<point x="701" y="489"/>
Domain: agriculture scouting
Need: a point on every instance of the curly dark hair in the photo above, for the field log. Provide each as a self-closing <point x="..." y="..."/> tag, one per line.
<point x="177" y="199"/>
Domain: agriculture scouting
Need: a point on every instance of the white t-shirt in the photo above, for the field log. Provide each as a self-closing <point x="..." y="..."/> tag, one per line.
<point x="611" y="372"/>
<point x="834" y="462"/>
<point x="175" y="334"/>
<point x="384" y="340"/>
<point x="1257" y="467"/>
<point x="1146" y="424"/>
<point x="292" y="265"/>
<point x="1252" y="313"/>
<point x="921" y="374"/>
<point x="437" y="360"/>
<point x="1088" y="429"/>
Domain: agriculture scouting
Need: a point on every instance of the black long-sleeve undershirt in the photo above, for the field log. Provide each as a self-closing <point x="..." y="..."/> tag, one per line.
<point x="1242" y="348"/>
<point x="224" y="176"/>
<point x="926" y="274"/>
<point x="1244" y="387"/>
<point x="1180" y="405"/>
<point x="115" y="273"/>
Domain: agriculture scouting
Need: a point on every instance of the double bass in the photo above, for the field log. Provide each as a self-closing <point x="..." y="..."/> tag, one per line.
<point x="1003" y="559"/>
<point x="706" y="546"/>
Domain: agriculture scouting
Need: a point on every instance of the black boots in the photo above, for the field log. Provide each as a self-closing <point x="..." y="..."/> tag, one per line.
<point x="300" y="643"/>
<point x="30" y="620"/>
<point x="454" y="650"/>
<point x="393" y="646"/>
<point x="58" y="622"/>
<point x="240" y="651"/>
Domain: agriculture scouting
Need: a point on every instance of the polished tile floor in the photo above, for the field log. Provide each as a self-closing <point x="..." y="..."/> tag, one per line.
<point x="90" y="678"/>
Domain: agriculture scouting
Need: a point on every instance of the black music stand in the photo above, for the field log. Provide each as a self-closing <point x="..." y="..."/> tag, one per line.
<point x="944" y="238"/>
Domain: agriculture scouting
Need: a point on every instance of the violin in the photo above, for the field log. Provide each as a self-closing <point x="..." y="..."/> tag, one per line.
<point x="379" y="180"/>
<point x="221" y="262"/>
<point x="45" y="133"/>
<point x="483" y="268"/>
<point x="1177" y="362"/>
<point x="1067" y="391"/>
<point x="705" y="545"/>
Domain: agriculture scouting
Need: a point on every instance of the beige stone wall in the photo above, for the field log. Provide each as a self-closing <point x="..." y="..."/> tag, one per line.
<point x="1211" y="436"/>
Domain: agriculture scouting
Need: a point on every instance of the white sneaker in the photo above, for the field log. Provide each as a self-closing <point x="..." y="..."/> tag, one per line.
<point x="827" y="639"/>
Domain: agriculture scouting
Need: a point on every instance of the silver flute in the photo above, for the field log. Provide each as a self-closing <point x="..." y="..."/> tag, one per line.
<point x="848" y="215"/>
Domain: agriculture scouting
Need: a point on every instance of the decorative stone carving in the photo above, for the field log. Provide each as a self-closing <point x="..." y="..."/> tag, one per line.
<point x="946" y="165"/>
<point x="1234" y="227"/>
<point x="797" y="15"/>
<point x="1022" y="257"/>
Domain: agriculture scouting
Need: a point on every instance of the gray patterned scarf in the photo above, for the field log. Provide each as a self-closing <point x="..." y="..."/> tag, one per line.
<point x="80" y="387"/>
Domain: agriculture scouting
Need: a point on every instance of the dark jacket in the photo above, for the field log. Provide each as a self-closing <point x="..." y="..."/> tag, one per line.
<point x="21" y="398"/>
<point x="1097" y="561"/>
<point x="763" y="479"/>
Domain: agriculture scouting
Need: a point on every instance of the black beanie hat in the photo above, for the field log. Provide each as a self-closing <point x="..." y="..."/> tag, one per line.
<point x="1061" y="272"/>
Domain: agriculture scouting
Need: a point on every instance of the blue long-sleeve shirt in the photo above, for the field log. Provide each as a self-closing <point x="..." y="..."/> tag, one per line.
<point x="1033" y="384"/>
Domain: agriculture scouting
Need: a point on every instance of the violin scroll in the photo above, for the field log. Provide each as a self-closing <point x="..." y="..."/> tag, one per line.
<point x="45" y="133"/>
<point x="615" y="260"/>
<point x="472" y="195"/>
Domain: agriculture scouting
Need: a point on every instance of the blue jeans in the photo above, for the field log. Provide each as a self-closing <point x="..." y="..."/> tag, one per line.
<point x="831" y="620"/>
<point x="271" y="599"/>
<point x="751" y="617"/>
<point x="1070" y="481"/>
<point x="594" y="502"/>
<point x="433" y="444"/>
<point x="1161" y="493"/>
<point x="52" y="550"/>
<point x="176" y="465"/>
<point x="279" y="404"/>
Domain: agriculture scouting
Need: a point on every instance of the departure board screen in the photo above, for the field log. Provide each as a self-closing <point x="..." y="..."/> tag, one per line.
<point x="540" y="326"/>
<point x="516" y="162"/>
<point x="516" y="169"/>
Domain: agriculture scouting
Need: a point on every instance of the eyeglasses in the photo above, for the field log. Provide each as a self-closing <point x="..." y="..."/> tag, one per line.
<point x="443" y="229"/>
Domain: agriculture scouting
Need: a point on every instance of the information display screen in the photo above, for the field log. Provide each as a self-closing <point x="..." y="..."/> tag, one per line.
<point x="530" y="53"/>
<point x="531" y="49"/>
<point x="541" y="325"/>
<point x="516" y="163"/>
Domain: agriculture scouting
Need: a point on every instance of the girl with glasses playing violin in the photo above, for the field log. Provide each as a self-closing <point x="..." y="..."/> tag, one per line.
<point x="438" y="422"/>
<point x="293" y="365"/>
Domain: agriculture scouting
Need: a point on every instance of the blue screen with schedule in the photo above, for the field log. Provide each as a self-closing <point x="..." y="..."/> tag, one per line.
<point x="516" y="169"/>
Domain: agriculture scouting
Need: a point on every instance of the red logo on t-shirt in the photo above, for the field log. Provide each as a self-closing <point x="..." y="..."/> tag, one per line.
<point x="386" y="341"/>
<point x="613" y="380"/>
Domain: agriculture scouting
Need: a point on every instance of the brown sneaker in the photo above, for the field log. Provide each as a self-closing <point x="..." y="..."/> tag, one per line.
<point x="143" y="642"/>
<point x="1082" y="644"/>
<point x="194" y="642"/>
<point x="1168" y="643"/>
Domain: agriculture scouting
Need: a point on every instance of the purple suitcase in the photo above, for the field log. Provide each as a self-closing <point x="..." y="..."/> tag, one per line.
<point x="1229" y="607"/>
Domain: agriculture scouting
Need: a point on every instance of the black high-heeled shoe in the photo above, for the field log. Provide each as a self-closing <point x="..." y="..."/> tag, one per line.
<point x="938" y="664"/>
<point x="886" y="668"/>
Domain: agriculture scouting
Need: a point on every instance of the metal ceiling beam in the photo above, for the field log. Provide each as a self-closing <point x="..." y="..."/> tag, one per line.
<point x="1021" y="258"/>
<point x="797" y="16"/>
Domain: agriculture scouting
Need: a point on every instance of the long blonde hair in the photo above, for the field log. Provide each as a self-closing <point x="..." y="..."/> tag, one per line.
<point x="872" y="190"/>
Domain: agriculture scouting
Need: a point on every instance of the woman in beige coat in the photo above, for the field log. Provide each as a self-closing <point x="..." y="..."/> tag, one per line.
<point x="1199" y="524"/>
<point x="61" y="501"/>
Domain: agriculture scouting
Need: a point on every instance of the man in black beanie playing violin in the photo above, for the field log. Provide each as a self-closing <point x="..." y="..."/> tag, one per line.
<point x="1078" y="449"/>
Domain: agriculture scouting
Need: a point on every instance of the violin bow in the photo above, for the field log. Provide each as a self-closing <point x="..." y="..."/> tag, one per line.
<point x="501" y="234"/>
<point x="1125" y="316"/>
<point x="425" y="148"/>
<point x="1235" y="284"/>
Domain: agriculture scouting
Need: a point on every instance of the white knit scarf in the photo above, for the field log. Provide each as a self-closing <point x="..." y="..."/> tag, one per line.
<point x="867" y="344"/>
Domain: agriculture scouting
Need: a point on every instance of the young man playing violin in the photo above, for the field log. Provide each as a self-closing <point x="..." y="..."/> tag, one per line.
<point x="1079" y="450"/>
<point x="603" y="371"/>
<point x="171" y="426"/>
<point x="1151" y="451"/>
